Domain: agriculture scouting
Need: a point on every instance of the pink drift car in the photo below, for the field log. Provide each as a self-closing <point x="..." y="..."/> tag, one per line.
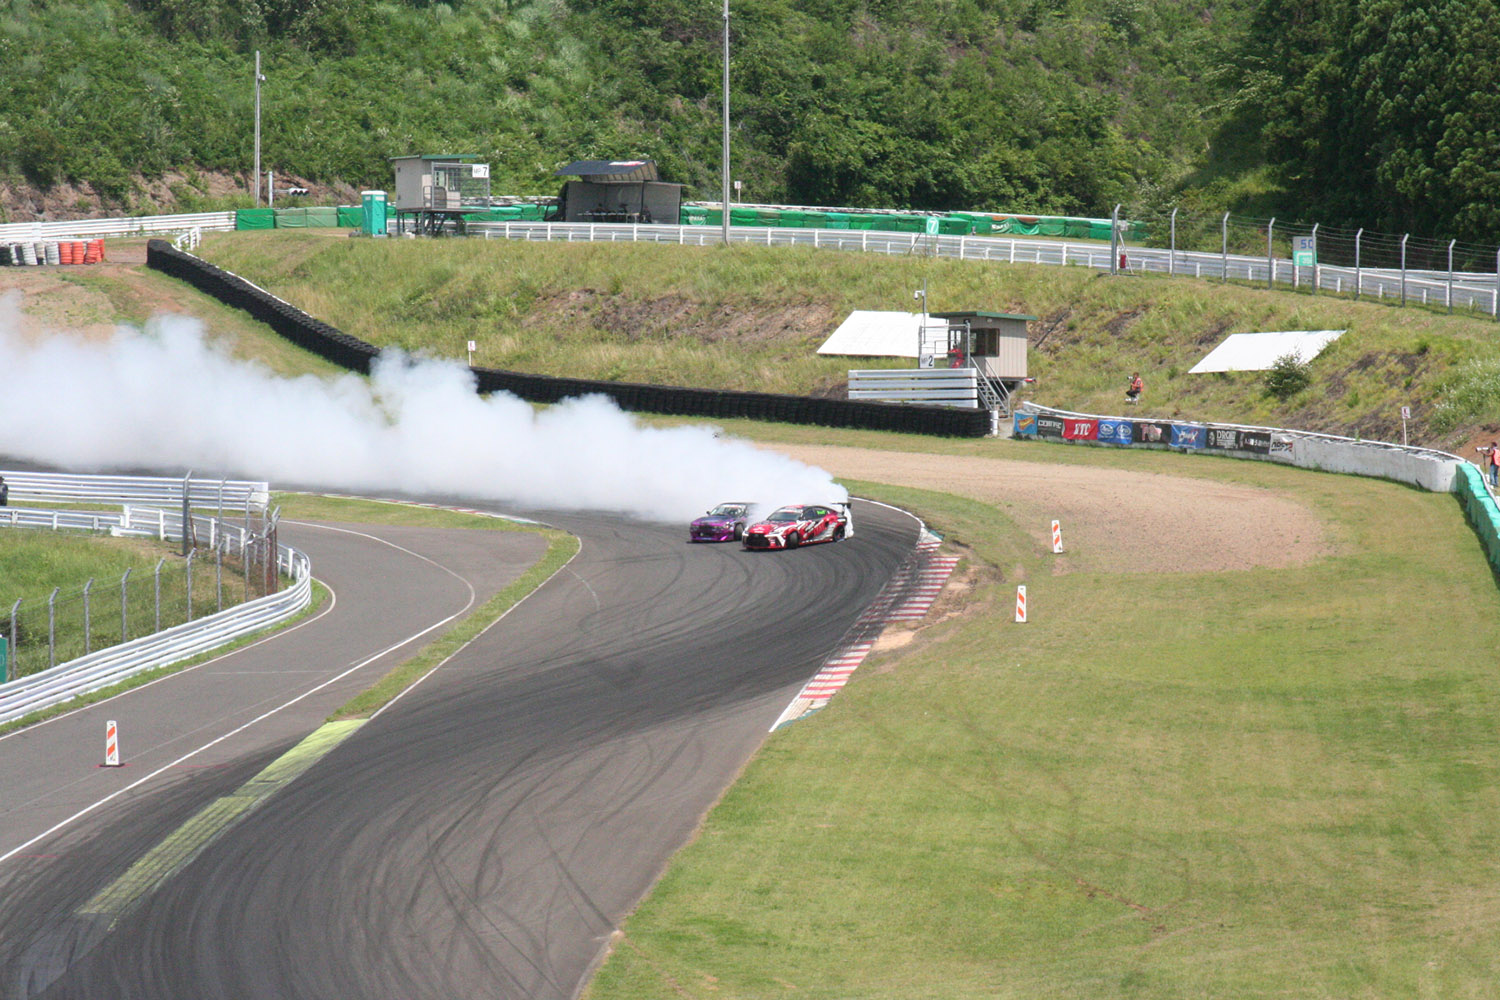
<point x="800" y="524"/>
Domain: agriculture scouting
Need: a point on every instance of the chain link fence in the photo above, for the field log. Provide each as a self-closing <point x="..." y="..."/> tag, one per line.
<point x="218" y="571"/>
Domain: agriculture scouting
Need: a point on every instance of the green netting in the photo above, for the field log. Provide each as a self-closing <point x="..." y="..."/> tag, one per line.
<point x="954" y="226"/>
<point x="351" y="216"/>
<point x="291" y="218"/>
<point x="322" y="218"/>
<point x="255" y="218"/>
<point x="837" y="220"/>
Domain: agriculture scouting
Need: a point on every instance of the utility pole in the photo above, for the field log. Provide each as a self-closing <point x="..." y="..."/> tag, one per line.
<point x="258" y="81"/>
<point x="725" y="178"/>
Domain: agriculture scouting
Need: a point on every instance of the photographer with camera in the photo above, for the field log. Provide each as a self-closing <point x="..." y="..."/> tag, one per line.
<point x="1491" y="455"/>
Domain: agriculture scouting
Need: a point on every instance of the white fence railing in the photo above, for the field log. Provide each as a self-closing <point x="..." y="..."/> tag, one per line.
<point x="149" y="225"/>
<point x="55" y="487"/>
<point x="99" y="670"/>
<point x="933" y="386"/>
<point x="1475" y="291"/>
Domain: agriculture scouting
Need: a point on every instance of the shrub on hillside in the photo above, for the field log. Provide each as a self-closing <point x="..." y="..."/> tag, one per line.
<point x="1287" y="377"/>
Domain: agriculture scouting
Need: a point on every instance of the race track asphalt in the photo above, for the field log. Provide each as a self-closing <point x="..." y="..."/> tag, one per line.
<point x="482" y="837"/>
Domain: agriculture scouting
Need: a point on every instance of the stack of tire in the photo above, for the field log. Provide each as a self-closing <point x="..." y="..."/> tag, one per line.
<point x="51" y="252"/>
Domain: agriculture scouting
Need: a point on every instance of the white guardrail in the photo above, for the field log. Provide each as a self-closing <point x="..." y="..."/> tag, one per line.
<point x="149" y="225"/>
<point x="1476" y="291"/>
<point x="1427" y="468"/>
<point x="933" y="386"/>
<point x="99" y="670"/>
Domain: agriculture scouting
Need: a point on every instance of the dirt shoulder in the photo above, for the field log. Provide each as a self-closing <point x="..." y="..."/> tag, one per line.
<point x="1113" y="520"/>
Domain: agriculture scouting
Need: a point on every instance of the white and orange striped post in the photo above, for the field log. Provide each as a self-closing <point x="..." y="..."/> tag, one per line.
<point x="1057" y="536"/>
<point x="1021" y="603"/>
<point x="111" y="744"/>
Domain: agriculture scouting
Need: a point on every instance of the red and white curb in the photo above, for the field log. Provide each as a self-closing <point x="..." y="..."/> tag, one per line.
<point x="906" y="596"/>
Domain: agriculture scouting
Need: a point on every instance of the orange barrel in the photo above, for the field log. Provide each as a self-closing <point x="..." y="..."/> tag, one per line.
<point x="89" y="254"/>
<point x="80" y="252"/>
<point x="98" y="249"/>
<point x="65" y="253"/>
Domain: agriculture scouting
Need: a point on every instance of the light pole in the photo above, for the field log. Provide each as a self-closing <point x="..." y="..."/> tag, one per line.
<point x="725" y="193"/>
<point x="258" y="81"/>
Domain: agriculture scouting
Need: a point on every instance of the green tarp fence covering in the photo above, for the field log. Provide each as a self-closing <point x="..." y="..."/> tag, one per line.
<point x="255" y="218"/>
<point x="307" y="218"/>
<point x="509" y="213"/>
<point x="953" y="224"/>
<point x="351" y="216"/>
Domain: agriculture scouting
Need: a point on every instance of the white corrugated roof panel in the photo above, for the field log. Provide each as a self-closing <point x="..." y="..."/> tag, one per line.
<point x="872" y="334"/>
<point x="1255" y="352"/>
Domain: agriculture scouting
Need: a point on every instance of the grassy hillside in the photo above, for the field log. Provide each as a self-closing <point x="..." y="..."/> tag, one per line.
<point x="752" y="318"/>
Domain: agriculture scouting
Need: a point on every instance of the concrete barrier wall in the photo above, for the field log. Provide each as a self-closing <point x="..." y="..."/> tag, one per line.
<point x="1432" y="470"/>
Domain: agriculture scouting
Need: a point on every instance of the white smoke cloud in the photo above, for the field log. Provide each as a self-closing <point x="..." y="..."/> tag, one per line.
<point x="166" y="398"/>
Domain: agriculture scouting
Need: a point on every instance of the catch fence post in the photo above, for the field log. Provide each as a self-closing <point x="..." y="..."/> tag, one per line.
<point x="15" y="646"/>
<point x="1172" y="254"/>
<point x="87" y="624"/>
<point x="1114" y="240"/>
<point x="1224" y="249"/>
<point x="124" y="604"/>
<point x="189" y="565"/>
<point x="1315" y="258"/>
<point x="158" y="594"/>
<point x="1403" y="268"/>
<point x="1450" y="276"/>
<point x="1356" y="263"/>
<point x="1270" y="261"/>
<point x="52" y="628"/>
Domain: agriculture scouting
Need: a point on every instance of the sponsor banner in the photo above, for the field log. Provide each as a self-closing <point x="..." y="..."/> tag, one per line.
<point x="1025" y="425"/>
<point x="1282" y="445"/>
<point x="1049" y="427"/>
<point x="1221" y="438"/>
<point x="1080" y="430"/>
<point x="1187" y="435"/>
<point x="1152" y="432"/>
<point x="1114" y="431"/>
<point x="1258" y="442"/>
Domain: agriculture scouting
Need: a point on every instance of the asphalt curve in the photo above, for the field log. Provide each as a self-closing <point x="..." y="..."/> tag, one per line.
<point x="484" y="836"/>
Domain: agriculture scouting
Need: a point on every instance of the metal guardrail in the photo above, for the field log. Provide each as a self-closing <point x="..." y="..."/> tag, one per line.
<point x="1477" y="291"/>
<point x="934" y="386"/>
<point x="53" y="487"/>
<point x="99" y="670"/>
<point x="149" y="225"/>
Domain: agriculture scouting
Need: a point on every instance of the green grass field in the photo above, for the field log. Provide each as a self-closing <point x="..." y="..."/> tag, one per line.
<point x="1251" y="784"/>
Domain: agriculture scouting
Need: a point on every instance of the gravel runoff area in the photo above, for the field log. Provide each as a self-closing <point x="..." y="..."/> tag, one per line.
<point x="1113" y="520"/>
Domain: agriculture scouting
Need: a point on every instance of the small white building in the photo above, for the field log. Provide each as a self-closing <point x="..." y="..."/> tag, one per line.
<point x="441" y="181"/>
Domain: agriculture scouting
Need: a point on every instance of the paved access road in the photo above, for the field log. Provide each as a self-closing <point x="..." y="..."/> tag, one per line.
<point x="484" y="835"/>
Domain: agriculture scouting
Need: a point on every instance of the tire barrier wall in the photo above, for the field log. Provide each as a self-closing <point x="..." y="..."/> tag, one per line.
<point x="37" y="252"/>
<point x="1436" y="471"/>
<point x="356" y="355"/>
<point x="1479" y="506"/>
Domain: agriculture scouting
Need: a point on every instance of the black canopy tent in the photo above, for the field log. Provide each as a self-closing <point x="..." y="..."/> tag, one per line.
<point x="618" y="191"/>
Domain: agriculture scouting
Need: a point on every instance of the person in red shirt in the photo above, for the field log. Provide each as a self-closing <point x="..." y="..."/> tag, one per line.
<point x="1133" y="394"/>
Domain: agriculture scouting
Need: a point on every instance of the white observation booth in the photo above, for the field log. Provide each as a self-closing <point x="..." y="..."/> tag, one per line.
<point x="435" y="190"/>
